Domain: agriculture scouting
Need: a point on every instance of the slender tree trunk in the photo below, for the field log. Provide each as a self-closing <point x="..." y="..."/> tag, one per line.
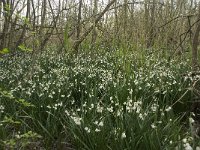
<point x="43" y="15"/>
<point x="1" y="10"/>
<point x="94" y="31"/>
<point x="116" y="26"/>
<point x="150" y="41"/>
<point x="21" y="38"/>
<point x="195" y="44"/>
<point x="146" y="21"/>
<point x="78" y="29"/>
<point x="125" y="18"/>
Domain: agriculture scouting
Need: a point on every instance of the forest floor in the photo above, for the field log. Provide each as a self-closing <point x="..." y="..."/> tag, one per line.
<point x="101" y="101"/>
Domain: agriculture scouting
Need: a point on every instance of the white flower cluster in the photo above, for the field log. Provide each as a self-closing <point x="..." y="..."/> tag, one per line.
<point x="2" y="108"/>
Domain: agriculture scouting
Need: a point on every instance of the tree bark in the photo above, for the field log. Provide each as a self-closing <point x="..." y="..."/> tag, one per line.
<point x="3" y="37"/>
<point x="78" y="29"/>
<point x="20" y="40"/>
<point x="195" y="44"/>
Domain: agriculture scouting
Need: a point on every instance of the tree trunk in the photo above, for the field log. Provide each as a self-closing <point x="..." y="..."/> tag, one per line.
<point x="78" y="29"/>
<point x="195" y="44"/>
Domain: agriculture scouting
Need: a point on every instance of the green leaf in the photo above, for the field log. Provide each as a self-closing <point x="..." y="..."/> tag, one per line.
<point x="4" y="51"/>
<point x="10" y="120"/>
<point x="7" y="7"/>
<point x="23" y="48"/>
<point x="33" y="33"/>
<point x="25" y="103"/>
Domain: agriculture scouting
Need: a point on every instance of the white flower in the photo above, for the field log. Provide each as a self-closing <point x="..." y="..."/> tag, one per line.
<point x="148" y="85"/>
<point x="62" y="95"/>
<point x="60" y="104"/>
<point x="92" y="106"/>
<point x="123" y="135"/>
<point x="191" y="120"/>
<point x="168" y="109"/>
<point x="153" y="126"/>
<point x="154" y="107"/>
<point x="2" y="108"/>
<point x="101" y="124"/>
<point x="141" y="116"/>
<point x="197" y="148"/>
<point x="164" y="92"/>
<point x="137" y="106"/>
<point x="67" y="112"/>
<point x="17" y="136"/>
<point x="110" y="109"/>
<point x="87" y="129"/>
<point x="77" y="120"/>
<point x="50" y="96"/>
<point x="116" y="104"/>
<point x="130" y="92"/>
<point x="118" y="112"/>
<point x="184" y="140"/>
<point x="96" y="122"/>
<point x="85" y="104"/>
<point x="99" y="109"/>
<point x="174" y="82"/>
<point x="187" y="146"/>
<point x="97" y="130"/>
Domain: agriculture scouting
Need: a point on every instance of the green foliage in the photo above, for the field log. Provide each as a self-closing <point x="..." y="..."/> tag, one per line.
<point x="4" y="51"/>
<point x="22" y="102"/>
<point x="22" y="141"/>
<point x="23" y="48"/>
<point x="111" y="100"/>
<point x="7" y="7"/>
<point x="9" y="120"/>
<point x="26" y="20"/>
